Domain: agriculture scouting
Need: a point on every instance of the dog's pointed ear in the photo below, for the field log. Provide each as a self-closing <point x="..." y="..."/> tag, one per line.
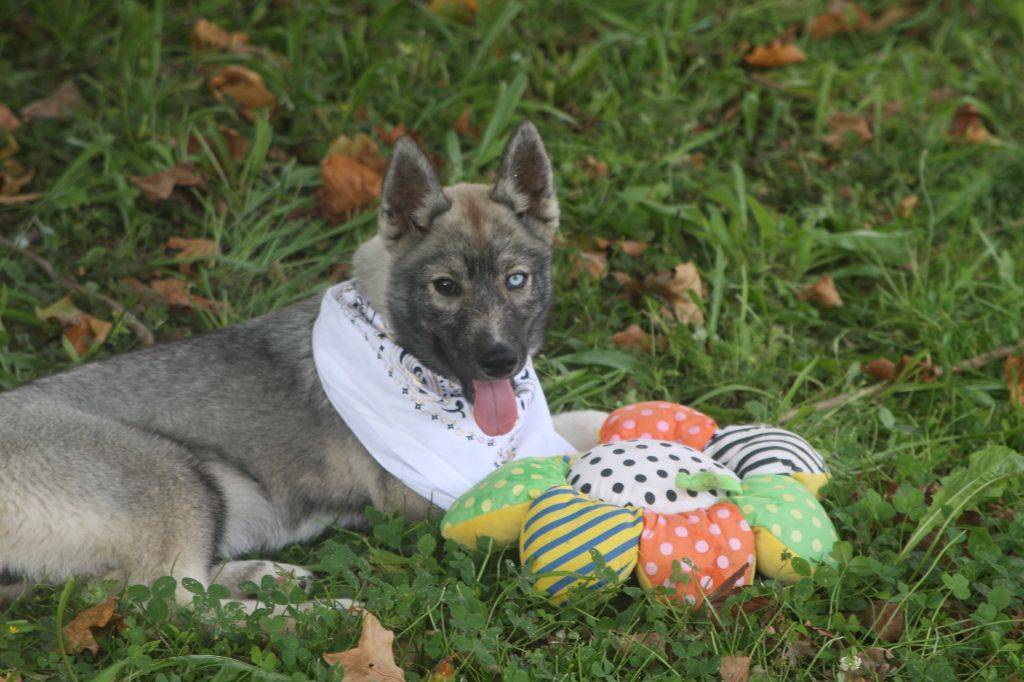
<point x="525" y="181"/>
<point x="411" y="195"/>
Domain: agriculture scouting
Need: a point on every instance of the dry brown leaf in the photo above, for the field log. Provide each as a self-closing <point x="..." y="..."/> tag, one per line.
<point x="842" y="124"/>
<point x="675" y="288"/>
<point x="594" y="167"/>
<point x="632" y="338"/>
<point x="882" y="369"/>
<point x="463" y="10"/>
<point x="463" y="125"/>
<point x="735" y="668"/>
<point x="207" y="35"/>
<point x="235" y="144"/>
<point x="348" y="185"/>
<point x="81" y="329"/>
<point x="823" y="293"/>
<point x="842" y="17"/>
<point x="889" y="17"/>
<point x="885" y="619"/>
<point x="373" y="659"/>
<point x="78" y="633"/>
<point x="175" y="293"/>
<point x="362" y="148"/>
<point x="243" y="86"/>
<point x="443" y="671"/>
<point x="594" y="263"/>
<point x="392" y="135"/>
<point x="630" y="247"/>
<point x="158" y="186"/>
<point x="907" y="205"/>
<point x="189" y="250"/>
<point x="626" y="280"/>
<point x="13" y="177"/>
<point x="8" y="121"/>
<point x="648" y="640"/>
<point x="774" y="55"/>
<point x="1013" y="369"/>
<point x="968" y="126"/>
<point x="59" y="104"/>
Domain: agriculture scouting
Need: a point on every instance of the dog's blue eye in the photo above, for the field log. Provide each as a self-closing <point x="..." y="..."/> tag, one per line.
<point x="447" y="287"/>
<point x="517" y="280"/>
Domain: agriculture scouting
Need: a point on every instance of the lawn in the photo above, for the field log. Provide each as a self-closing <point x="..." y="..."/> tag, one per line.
<point x="659" y="133"/>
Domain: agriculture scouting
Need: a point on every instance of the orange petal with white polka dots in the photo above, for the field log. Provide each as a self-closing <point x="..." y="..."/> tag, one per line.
<point x="707" y="545"/>
<point x="659" y="420"/>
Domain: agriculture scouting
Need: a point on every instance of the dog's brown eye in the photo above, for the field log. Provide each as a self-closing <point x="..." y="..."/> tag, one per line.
<point x="447" y="287"/>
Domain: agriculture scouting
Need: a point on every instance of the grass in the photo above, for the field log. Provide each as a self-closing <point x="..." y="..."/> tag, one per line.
<point x="708" y="163"/>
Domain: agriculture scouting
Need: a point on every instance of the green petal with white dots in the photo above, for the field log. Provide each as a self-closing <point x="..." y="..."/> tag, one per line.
<point x="512" y="483"/>
<point x="788" y="511"/>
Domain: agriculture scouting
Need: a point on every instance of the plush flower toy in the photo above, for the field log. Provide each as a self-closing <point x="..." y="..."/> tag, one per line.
<point x="666" y="493"/>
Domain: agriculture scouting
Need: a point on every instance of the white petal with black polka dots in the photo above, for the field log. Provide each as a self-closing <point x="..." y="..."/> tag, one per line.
<point x="642" y="473"/>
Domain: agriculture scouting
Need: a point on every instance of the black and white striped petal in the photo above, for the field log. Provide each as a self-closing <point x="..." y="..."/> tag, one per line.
<point x="760" y="449"/>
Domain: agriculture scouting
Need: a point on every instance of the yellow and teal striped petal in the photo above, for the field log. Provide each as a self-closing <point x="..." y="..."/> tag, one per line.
<point x="561" y="530"/>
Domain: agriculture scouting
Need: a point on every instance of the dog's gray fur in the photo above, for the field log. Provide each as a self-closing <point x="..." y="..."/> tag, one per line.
<point x="175" y="459"/>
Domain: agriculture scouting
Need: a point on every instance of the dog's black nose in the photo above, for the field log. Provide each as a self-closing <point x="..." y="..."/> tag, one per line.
<point x="499" y="360"/>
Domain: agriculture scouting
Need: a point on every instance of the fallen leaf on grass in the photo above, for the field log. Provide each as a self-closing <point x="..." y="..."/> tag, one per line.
<point x="884" y="618"/>
<point x="8" y="121"/>
<point x="630" y="247"/>
<point x="175" y="293"/>
<point x="774" y="55"/>
<point x="362" y="148"/>
<point x="81" y="329"/>
<point x="843" y="124"/>
<point x="968" y="126"/>
<point x="348" y="185"/>
<point x="626" y="280"/>
<point x="907" y="205"/>
<point x="463" y="125"/>
<point x="158" y="186"/>
<point x="189" y="250"/>
<point x="735" y="668"/>
<point x="443" y="671"/>
<point x="675" y="287"/>
<point x="882" y="369"/>
<point x="78" y="633"/>
<point x="889" y="17"/>
<point x="13" y="177"/>
<point x="594" y="167"/>
<point x="235" y="146"/>
<point x="59" y="104"/>
<point x="373" y="658"/>
<point x="463" y="10"/>
<point x="823" y="293"/>
<point x="842" y="17"/>
<point x="648" y="640"/>
<point x="594" y="263"/>
<point x="1013" y="369"/>
<point x="633" y="338"/>
<point x="243" y="86"/>
<point x="208" y="35"/>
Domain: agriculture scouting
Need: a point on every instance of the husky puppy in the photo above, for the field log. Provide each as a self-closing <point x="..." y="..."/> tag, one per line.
<point x="175" y="459"/>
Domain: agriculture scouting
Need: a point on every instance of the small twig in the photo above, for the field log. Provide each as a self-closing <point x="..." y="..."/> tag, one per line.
<point x="977" y="362"/>
<point x="141" y="331"/>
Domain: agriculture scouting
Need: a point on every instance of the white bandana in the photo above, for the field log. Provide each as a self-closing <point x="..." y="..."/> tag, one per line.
<point x="415" y="423"/>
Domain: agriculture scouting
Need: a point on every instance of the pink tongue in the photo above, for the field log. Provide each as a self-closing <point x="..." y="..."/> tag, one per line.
<point x="495" y="406"/>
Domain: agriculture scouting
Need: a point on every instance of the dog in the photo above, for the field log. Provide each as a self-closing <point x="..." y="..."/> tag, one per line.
<point x="175" y="460"/>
